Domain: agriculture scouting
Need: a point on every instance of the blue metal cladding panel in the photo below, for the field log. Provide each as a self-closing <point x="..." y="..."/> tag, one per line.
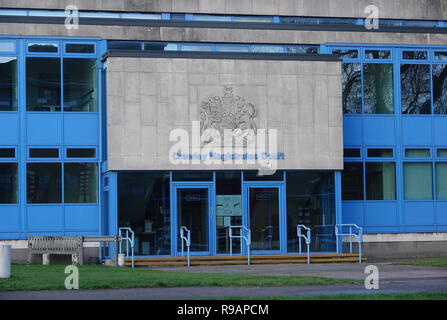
<point x="9" y="128"/>
<point x="44" y="128"/>
<point x="353" y="213"/>
<point x="81" y="218"/>
<point x="381" y="213"/>
<point x="352" y="130"/>
<point x="441" y="213"/>
<point x="440" y="130"/>
<point x="419" y="213"/>
<point x="10" y="219"/>
<point x="45" y="218"/>
<point x="81" y="129"/>
<point x="416" y="130"/>
<point x="379" y="130"/>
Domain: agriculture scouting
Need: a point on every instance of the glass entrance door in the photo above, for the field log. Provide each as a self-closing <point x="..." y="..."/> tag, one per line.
<point x="264" y="218"/>
<point x="193" y="212"/>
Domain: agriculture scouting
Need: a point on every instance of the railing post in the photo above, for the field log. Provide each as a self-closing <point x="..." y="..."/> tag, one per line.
<point x="231" y="241"/>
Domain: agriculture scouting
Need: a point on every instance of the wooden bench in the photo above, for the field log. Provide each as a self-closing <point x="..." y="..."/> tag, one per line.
<point x="55" y="245"/>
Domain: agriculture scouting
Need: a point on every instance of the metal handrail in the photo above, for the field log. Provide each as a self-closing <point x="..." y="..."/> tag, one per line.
<point x="186" y="240"/>
<point x="308" y="238"/>
<point x="129" y="240"/>
<point x="358" y="236"/>
<point x="241" y="236"/>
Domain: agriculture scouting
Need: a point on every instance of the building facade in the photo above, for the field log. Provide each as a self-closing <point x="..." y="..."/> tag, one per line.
<point x="157" y="115"/>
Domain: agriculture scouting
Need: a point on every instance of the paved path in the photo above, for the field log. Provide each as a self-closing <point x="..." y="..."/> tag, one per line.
<point x="393" y="279"/>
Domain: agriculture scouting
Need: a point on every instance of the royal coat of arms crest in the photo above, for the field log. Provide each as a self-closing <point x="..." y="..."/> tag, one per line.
<point x="228" y="112"/>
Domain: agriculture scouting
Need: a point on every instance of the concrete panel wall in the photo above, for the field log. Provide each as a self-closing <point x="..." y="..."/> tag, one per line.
<point x="221" y="35"/>
<point x="148" y="98"/>
<point x="401" y="9"/>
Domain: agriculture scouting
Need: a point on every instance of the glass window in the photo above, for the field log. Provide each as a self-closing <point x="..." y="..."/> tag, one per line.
<point x="253" y="19"/>
<point x="43" y="84"/>
<point x="80" y="48"/>
<point x="298" y="20"/>
<point x="301" y="49"/>
<point x="441" y="181"/>
<point x="267" y="49"/>
<point x="192" y="175"/>
<point x="389" y="23"/>
<point x="378" y="88"/>
<point x="44" y="183"/>
<point x="347" y="53"/>
<point x="80" y="85"/>
<point x="352" y="181"/>
<point x="418" y="181"/>
<point x="43" y="153"/>
<point x="196" y="47"/>
<point x="351" y="153"/>
<point x="311" y="201"/>
<point x="420" y="23"/>
<point x="380" y="181"/>
<point x="417" y="153"/>
<point x="229" y="48"/>
<point x="415" y="88"/>
<point x="440" y="55"/>
<point x="442" y="153"/>
<point x="124" y="45"/>
<point x="144" y="206"/>
<point x="7" y="46"/>
<point x="228" y="209"/>
<point x="81" y="153"/>
<point x="378" y="54"/>
<point x="380" y="153"/>
<point x="80" y="182"/>
<point x="8" y="84"/>
<point x="43" y="47"/>
<point x="338" y="21"/>
<point x="352" y="88"/>
<point x="206" y="17"/>
<point x="8" y="183"/>
<point x="414" y="55"/>
<point x="256" y="175"/>
<point x="7" y="153"/>
<point x="440" y="88"/>
<point x="160" y="46"/>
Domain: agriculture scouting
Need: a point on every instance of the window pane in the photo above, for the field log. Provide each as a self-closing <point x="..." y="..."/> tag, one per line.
<point x="380" y="153"/>
<point x="351" y="153"/>
<point x="418" y="181"/>
<point x="311" y="201"/>
<point x="417" y="153"/>
<point x="192" y="176"/>
<point x="80" y="183"/>
<point x="43" y="84"/>
<point x="440" y="88"/>
<point x="144" y="206"/>
<point x="7" y="153"/>
<point x="380" y="181"/>
<point x="79" y="48"/>
<point x="267" y="49"/>
<point x="42" y="47"/>
<point x="7" y="46"/>
<point x="81" y="153"/>
<point x="346" y="53"/>
<point x="255" y="175"/>
<point x="229" y="48"/>
<point x="8" y="183"/>
<point x="352" y="181"/>
<point x="442" y="153"/>
<point x="414" y="55"/>
<point x="192" y="47"/>
<point x="352" y="88"/>
<point x="123" y="45"/>
<point x="441" y="55"/>
<point x="377" y="54"/>
<point x="378" y="88"/>
<point x="298" y="20"/>
<point x="415" y="88"/>
<point x="302" y="49"/>
<point x="44" y="183"/>
<point x="44" y="153"/>
<point x="8" y="84"/>
<point x="441" y="181"/>
<point x="80" y="85"/>
<point x="253" y="19"/>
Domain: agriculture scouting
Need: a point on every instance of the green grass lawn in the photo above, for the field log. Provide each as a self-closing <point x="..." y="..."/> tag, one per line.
<point x="369" y="296"/>
<point x="434" y="262"/>
<point x="40" y="277"/>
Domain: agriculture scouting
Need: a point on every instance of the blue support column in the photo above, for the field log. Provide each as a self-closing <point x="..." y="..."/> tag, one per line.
<point x="338" y="207"/>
